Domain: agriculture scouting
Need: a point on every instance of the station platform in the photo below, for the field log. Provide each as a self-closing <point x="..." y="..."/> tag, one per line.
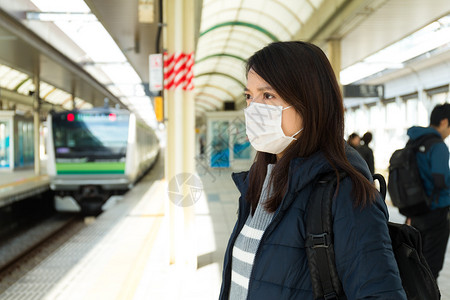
<point x="20" y="184"/>
<point x="124" y="253"/>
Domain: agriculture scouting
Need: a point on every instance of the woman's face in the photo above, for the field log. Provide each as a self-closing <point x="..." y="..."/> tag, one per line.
<point x="258" y="90"/>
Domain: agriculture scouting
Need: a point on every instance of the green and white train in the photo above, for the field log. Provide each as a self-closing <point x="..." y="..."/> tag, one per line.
<point x="96" y="153"/>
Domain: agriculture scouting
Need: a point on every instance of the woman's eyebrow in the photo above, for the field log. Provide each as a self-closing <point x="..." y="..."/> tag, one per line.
<point x="263" y="88"/>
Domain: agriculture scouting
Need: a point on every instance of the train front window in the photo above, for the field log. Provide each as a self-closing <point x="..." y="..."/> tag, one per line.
<point x="91" y="136"/>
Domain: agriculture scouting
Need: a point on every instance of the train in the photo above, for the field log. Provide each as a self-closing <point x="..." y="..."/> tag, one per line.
<point x="93" y="154"/>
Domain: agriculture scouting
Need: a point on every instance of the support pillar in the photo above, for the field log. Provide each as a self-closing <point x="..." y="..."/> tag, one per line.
<point x="189" y="135"/>
<point x="180" y="151"/>
<point x="36" y="112"/>
<point x="334" y="55"/>
<point x="73" y="95"/>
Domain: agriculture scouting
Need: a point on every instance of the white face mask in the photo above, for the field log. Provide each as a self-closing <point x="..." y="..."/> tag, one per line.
<point x="263" y="125"/>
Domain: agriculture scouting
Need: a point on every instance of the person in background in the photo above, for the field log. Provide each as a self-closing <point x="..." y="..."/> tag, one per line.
<point x="434" y="171"/>
<point x="354" y="140"/>
<point x="295" y="121"/>
<point x="201" y="141"/>
<point x="366" y="152"/>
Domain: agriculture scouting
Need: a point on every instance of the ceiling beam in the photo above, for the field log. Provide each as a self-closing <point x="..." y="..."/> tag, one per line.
<point x="15" y="97"/>
<point x="218" y="101"/>
<point x="245" y="24"/>
<point x="206" y="102"/>
<point x="221" y="74"/>
<point x="220" y="55"/>
<point x="257" y="11"/>
<point x="218" y="88"/>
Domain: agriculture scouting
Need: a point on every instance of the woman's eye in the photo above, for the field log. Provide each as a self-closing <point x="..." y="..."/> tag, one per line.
<point x="268" y="96"/>
<point x="247" y="97"/>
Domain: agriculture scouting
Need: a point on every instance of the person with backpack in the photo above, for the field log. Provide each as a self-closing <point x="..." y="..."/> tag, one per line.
<point x="295" y="121"/>
<point x="433" y="164"/>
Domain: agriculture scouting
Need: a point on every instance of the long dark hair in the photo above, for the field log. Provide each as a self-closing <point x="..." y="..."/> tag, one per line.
<point x="302" y="75"/>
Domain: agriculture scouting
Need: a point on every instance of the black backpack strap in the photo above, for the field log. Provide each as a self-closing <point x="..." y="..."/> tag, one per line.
<point x="423" y="144"/>
<point x="319" y="240"/>
<point x="382" y="184"/>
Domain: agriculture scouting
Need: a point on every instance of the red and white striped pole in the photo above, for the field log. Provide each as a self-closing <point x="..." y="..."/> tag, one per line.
<point x="178" y="71"/>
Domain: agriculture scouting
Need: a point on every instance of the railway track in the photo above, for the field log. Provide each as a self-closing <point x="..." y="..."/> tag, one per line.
<point x="27" y="249"/>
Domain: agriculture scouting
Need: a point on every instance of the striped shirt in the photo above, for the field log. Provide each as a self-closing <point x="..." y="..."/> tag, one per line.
<point x="247" y="243"/>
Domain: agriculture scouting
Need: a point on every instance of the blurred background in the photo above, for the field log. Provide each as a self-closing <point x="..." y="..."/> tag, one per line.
<point x="122" y="121"/>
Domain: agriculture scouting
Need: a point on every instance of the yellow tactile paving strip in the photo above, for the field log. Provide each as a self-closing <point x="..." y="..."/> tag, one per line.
<point x="38" y="178"/>
<point x="114" y="266"/>
<point x="22" y="188"/>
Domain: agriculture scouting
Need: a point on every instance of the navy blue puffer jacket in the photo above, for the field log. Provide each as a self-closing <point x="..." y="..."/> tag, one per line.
<point x="364" y="257"/>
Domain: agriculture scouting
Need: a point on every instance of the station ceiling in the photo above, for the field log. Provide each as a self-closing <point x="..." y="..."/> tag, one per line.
<point x="136" y="39"/>
<point x="229" y="31"/>
<point x="23" y="53"/>
<point x="233" y="30"/>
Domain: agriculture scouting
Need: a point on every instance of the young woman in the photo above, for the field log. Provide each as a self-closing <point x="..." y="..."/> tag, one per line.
<point x="295" y="120"/>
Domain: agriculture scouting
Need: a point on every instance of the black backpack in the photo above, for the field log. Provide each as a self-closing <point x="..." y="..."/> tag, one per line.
<point x="404" y="182"/>
<point x="417" y="279"/>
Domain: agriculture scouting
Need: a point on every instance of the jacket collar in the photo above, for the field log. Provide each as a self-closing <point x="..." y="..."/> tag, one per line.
<point x="304" y="170"/>
<point x="241" y="181"/>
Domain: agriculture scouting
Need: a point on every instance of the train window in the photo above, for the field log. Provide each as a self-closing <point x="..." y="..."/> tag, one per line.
<point x="93" y="135"/>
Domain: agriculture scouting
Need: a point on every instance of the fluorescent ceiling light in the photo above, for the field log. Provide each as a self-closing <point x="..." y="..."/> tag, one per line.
<point x="139" y="100"/>
<point x="26" y="87"/>
<point x="98" y="74"/>
<point x="60" y="16"/>
<point x="363" y="69"/>
<point x="104" y="59"/>
<point x="44" y="89"/>
<point x="93" y="38"/>
<point x="22" y="83"/>
<point x="121" y="73"/>
<point x="127" y="90"/>
<point x="426" y="39"/>
<point x="58" y="97"/>
<point x="58" y="6"/>
<point x="85" y="105"/>
<point x="10" y="78"/>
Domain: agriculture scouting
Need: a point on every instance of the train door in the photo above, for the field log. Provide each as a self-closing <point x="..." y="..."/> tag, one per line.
<point x="5" y="145"/>
<point x="24" y="142"/>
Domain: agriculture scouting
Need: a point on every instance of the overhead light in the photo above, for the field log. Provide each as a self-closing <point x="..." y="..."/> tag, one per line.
<point x="422" y="41"/>
<point x="66" y="5"/>
<point x="61" y="16"/>
<point x="104" y="59"/>
<point x="93" y="38"/>
<point x="121" y="73"/>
